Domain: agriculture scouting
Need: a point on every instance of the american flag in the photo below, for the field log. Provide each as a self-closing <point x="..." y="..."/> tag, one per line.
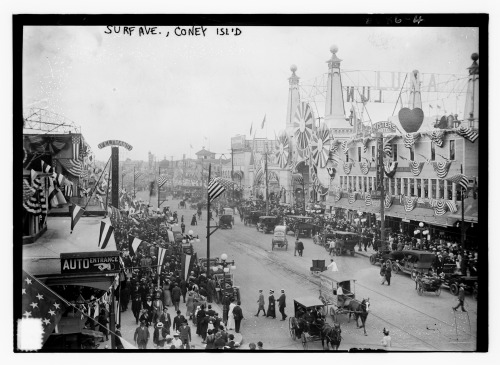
<point x="468" y="133"/>
<point x="115" y="216"/>
<point x="217" y="186"/>
<point x="73" y="166"/>
<point x="162" y="179"/>
<point x="137" y="175"/>
<point x="460" y="179"/>
<point x="41" y="303"/>
<point x="76" y="147"/>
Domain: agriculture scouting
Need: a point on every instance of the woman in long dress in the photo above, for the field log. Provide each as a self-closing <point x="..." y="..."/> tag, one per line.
<point x="271" y="309"/>
<point x="190" y="304"/>
<point x="230" y="317"/>
<point x="167" y="295"/>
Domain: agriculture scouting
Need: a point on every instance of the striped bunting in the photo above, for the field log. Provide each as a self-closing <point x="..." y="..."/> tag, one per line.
<point x="338" y="195"/>
<point x="347" y="167"/>
<point x="162" y="179"/>
<point x="409" y="203"/>
<point x="437" y="137"/>
<point x="461" y="180"/>
<point x="84" y="174"/>
<point x="161" y="257"/>
<point x="388" y="146"/>
<point x="388" y="201"/>
<point x="451" y="206"/>
<point x="410" y="138"/>
<point x="76" y="147"/>
<point x="352" y="197"/>
<point x="137" y="175"/>
<point x="368" y="199"/>
<point x="76" y="213"/>
<point x="105" y="234"/>
<point x="100" y="190"/>
<point x="133" y="244"/>
<point x="416" y="167"/>
<point x="390" y="168"/>
<point x="441" y="168"/>
<point x="439" y="206"/>
<point x="365" y="167"/>
<point x="74" y="167"/>
<point x="46" y="167"/>
<point x="217" y="186"/>
<point x="467" y="133"/>
<point x="364" y="141"/>
<point x="68" y="190"/>
<point x="345" y="146"/>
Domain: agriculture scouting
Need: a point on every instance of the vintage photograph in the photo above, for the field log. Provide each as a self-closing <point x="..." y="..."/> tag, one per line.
<point x="231" y="184"/>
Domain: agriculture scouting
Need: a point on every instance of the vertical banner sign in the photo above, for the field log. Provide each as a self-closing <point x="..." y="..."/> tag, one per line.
<point x="114" y="176"/>
<point x="380" y="163"/>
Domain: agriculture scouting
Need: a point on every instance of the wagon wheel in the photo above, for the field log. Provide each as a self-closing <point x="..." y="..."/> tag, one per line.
<point x="291" y="325"/>
<point x="304" y="340"/>
<point x="420" y="289"/>
<point x="438" y="291"/>
<point x="454" y="289"/>
<point x="373" y="261"/>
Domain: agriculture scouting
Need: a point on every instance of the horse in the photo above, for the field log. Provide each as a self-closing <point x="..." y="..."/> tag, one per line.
<point x="332" y="335"/>
<point x="360" y="310"/>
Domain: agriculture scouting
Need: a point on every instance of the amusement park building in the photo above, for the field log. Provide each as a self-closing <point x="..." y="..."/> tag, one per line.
<point x="336" y="162"/>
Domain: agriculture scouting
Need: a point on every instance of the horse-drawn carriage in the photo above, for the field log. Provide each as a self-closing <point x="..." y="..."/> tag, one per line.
<point x="279" y="238"/>
<point x="339" y="297"/>
<point x="309" y="324"/>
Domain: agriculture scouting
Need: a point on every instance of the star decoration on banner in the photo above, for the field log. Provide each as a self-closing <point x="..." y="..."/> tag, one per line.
<point x="46" y="321"/>
<point x="39" y="296"/>
<point x="34" y="305"/>
<point x="56" y="305"/>
<point x="24" y="291"/>
<point x="27" y="314"/>
<point x="52" y="313"/>
<point x="28" y="281"/>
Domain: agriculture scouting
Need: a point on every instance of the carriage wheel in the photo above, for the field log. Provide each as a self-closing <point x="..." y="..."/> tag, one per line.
<point x="420" y="289"/>
<point x="438" y="291"/>
<point x="304" y="341"/>
<point x="454" y="289"/>
<point x="291" y="326"/>
<point x="372" y="260"/>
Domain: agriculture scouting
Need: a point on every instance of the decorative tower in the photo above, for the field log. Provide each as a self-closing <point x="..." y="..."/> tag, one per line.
<point x="334" y="106"/>
<point x="415" y="100"/>
<point x="293" y="99"/>
<point x="471" y="112"/>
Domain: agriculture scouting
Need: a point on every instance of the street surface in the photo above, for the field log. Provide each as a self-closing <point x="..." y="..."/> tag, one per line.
<point x="421" y="323"/>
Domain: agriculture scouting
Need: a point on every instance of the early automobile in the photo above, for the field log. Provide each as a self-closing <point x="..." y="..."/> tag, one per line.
<point x="252" y="217"/>
<point x="266" y="223"/>
<point x="279" y="238"/>
<point x="226" y="221"/>
<point x="410" y="262"/>
<point x="301" y="225"/>
<point x="345" y="242"/>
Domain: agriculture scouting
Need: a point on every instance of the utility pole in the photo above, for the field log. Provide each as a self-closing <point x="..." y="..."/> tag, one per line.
<point x="158" y="183"/>
<point x="232" y="172"/>
<point x="208" y="217"/>
<point x="265" y="169"/>
<point x="462" y="224"/>
<point x="380" y="183"/>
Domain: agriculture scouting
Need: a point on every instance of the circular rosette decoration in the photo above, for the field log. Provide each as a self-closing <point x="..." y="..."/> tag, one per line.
<point x="303" y="124"/>
<point x="282" y="150"/>
<point x="320" y="146"/>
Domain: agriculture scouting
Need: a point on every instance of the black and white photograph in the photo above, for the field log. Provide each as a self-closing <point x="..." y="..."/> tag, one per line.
<point x="274" y="183"/>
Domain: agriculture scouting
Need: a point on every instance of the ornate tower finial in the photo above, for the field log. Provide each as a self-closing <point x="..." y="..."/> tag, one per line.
<point x="334" y="62"/>
<point x="474" y="68"/>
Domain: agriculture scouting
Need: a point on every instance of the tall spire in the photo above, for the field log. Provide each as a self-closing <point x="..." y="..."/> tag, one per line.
<point x="334" y="105"/>
<point x="293" y="98"/>
<point x="471" y="111"/>
<point x="415" y="100"/>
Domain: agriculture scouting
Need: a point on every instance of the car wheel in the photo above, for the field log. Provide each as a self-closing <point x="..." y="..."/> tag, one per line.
<point x="373" y="260"/>
<point x="454" y="289"/>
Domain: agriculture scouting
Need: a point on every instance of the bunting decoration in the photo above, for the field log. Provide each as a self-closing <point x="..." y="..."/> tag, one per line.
<point x="303" y="124"/>
<point x="352" y="197"/>
<point x="345" y="146"/>
<point x="390" y="168"/>
<point x="439" y="206"/>
<point x="364" y="141"/>
<point x="388" y="201"/>
<point x="42" y="143"/>
<point x="410" y="139"/>
<point x="133" y="244"/>
<point x="40" y="302"/>
<point x="409" y="202"/>
<point x="338" y="195"/>
<point x="368" y="199"/>
<point x="114" y="215"/>
<point x="186" y="265"/>
<point x="137" y="175"/>
<point x="74" y="167"/>
<point x="348" y="167"/>
<point x="162" y="179"/>
<point x="105" y="234"/>
<point x="282" y="150"/>
<point x="416" y="167"/>
<point x="320" y="146"/>
<point x="161" y="257"/>
<point x="437" y="137"/>
<point x="388" y="147"/>
<point x="441" y="168"/>
<point x="451" y="206"/>
<point x="467" y="133"/>
<point x="75" y="140"/>
<point x="365" y="167"/>
<point x="461" y="180"/>
<point x="46" y="167"/>
<point x="76" y="213"/>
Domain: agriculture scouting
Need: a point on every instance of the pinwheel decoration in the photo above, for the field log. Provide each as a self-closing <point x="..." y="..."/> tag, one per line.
<point x="282" y="150"/>
<point x="303" y="124"/>
<point x="320" y="146"/>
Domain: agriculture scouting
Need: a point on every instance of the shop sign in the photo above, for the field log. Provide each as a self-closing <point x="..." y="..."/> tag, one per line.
<point x="90" y="262"/>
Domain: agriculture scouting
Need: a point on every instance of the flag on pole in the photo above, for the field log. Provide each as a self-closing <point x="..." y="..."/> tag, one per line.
<point x="186" y="264"/>
<point x="460" y="179"/>
<point x="40" y="305"/>
<point x="161" y="256"/>
<point x="76" y="147"/>
<point x="76" y="213"/>
<point x="263" y="122"/>
<point x="251" y="127"/>
<point x="114" y="215"/>
<point x="105" y="234"/>
<point x="133" y="243"/>
<point x="217" y="186"/>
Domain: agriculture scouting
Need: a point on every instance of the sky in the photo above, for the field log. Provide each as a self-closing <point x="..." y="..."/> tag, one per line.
<point x="164" y="94"/>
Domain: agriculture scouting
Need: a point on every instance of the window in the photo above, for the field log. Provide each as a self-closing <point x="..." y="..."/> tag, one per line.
<point x="433" y="151"/>
<point x="359" y="154"/>
<point x="452" y="150"/>
<point x="412" y="153"/>
<point x="395" y="152"/>
<point x="374" y="156"/>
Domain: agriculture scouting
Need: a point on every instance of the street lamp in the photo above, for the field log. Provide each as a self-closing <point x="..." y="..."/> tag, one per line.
<point x="225" y="269"/>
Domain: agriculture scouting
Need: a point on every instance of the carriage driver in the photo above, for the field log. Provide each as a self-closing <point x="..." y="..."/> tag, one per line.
<point x="340" y="296"/>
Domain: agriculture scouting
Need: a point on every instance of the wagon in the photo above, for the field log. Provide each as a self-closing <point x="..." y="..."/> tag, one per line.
<point x="429" y="284"/>
<point x="226" y="221"/>
<point x="279" y="238"/>
<point x="348" y="241"/>
<point x="313" y="331"/>
<point x="266" y="224"/>
<point x="336" y="305"/>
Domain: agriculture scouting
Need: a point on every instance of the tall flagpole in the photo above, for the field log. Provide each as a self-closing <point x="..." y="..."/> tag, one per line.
<point x="267" y="194"/>
<point x="208" y="219"/>
<point x="462" y="225"/>
<point x="158" y="182"/>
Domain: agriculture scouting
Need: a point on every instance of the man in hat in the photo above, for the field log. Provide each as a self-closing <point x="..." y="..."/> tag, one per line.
<point x="261" y="303"/>
<point x="157" y="334"/>
<point x="141" y="336"/>
<point x="166" y="320"/>
<point x="176" y="296"/>
<point x="238" y="316"/>
<point x="282" y="304"/>
<point x="136" y="307"/>
<point x="271" y="307"/>
<point x="177" y="342"/>
<point x="185" y="334"/>
<point x="178" y="319"/>
<point x="461" y="298"/>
